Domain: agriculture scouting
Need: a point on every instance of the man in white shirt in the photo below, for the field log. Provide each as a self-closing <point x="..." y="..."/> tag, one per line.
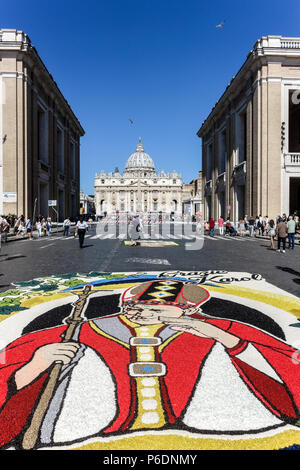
<point x="81" y="229"/>
<point x="66" y="225"/>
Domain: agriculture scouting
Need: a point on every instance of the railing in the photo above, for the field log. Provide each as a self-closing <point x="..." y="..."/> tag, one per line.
<point x="221" y="178"/>
<point x="292" y="159"/>
<point x="290" y="44"/>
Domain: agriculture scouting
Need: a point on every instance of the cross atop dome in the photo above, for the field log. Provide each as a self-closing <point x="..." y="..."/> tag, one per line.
<point x="140" y="147"/>
<point x="140" y="160"/>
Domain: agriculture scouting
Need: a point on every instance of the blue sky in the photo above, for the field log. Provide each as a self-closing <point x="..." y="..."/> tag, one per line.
<point x="162" y="63"/>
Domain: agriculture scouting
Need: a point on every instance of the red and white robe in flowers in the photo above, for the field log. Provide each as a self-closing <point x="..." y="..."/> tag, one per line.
<point x="206" y="388"/>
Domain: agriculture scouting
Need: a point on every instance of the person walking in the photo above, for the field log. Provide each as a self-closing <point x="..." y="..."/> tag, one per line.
<point x="21" y="226"/>
<point x="266" y="223"/>
<point x="281" y="232"/>
<point x="251" y="225"/>
<point x="241" y="227"/>
<point x="211" y="227"/>
<point x="44" y="226"/>
<point x="38" y="226"/>
<point x="66" y="226"/>
<point x="4" y="228"/>
<point x="291" y="226"/>
<point x="81" y="229"/>
<point x="134" y="230"/>
<point x="199" y="226"/>
<point x="221" y="225"/>
<point x="227" y="227"/>
<point x="48" y="226"/>
<point x="17" y="224"/>
<point x="28" y="228"/>
<point x="260" y="225"/>
<point x="271" y="232"/>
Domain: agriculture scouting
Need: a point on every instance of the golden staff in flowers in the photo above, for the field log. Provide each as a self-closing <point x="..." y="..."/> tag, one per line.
<point x="31" y="435"/>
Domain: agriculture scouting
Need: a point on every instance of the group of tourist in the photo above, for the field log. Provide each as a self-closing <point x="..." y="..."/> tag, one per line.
<point x="24" y="226"/>
<point x="282" y="228"/>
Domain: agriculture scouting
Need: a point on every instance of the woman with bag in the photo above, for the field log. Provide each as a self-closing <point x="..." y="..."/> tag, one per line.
<point x="271" y="233"/>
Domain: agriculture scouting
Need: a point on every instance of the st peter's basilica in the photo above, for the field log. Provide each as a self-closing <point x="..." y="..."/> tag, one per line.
<point x="140" y="189"/>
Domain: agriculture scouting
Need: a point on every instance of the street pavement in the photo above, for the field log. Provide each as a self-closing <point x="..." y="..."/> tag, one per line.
<point x="257" y="315"/>
<point x="24" y="260"/>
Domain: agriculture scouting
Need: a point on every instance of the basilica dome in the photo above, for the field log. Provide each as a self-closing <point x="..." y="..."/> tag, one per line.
<point x="139" y="159"/>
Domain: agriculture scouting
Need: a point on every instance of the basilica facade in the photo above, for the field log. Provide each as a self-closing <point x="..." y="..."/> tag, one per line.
<point x="140" y="189"/>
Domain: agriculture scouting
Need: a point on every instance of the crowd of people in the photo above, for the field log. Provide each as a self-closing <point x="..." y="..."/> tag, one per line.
<point x="23" y="227"/>
<point x="283" y="228"/>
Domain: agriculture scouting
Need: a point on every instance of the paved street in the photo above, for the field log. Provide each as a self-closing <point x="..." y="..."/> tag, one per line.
<point x="250" y="316"/>
<point x="24" y="260"/>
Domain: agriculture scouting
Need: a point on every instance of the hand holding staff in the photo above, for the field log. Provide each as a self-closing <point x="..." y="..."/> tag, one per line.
<point x="31" y="435"/>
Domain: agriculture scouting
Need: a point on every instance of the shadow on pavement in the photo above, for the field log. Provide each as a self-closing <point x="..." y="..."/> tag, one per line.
<point x="290" y="271"/>
<point x="14" y="257"/>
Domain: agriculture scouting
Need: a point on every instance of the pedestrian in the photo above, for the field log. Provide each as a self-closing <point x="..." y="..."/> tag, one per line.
<point x="271" y="232"/>
<point x="260" y="225"/>
<point x="228" y="230"/>
<point x="297" y="225"/>
<point x="199" y="226"/>
<point x="251" y="225"/>
<point x="28" y="228"/>
<point x="38" y="226"/>
<point x="81" y="229"/>
<point x="233" y="229"/>
<point x="281" y="232"/>
<point x="17" y="224"/>
<point x="21" y="226"/>
<point x="4" y="228"/>
<point x="291" y="226"/>
<point x="221" y="225"/>
<point x="49" y="226"/>
<point x="241" y="227"/>
<point x="44" y="226"/>
<point x="211" y="227"/>
<point x="66" y="226"/>
<point x="134" y="230"/>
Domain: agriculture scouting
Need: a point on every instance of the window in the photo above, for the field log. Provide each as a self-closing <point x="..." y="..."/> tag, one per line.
<point x="42" y="135"/>
<point x="294" y="121"/>
<point x="72" y="161"/>
<point x="60" y="150"/>
<point x="174" y="181"/>
<point x="208" y="162"/>
<point x="241" y="137"/>
<point x="222" y="152"/>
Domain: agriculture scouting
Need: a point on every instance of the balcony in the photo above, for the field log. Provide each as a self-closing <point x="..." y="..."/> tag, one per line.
<point x="208" y="188"/>
<point x="221" y="181"/>
<point x="239" y="173"/>
<point x="292" y="162"/>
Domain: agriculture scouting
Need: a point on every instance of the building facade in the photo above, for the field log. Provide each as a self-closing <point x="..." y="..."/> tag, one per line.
<point x="192" y="197"/>
<point x="251" y="138"/>
<point x="40" y="135"/>
<point x="87" y="204"/>
<point x="140" y="189"/>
